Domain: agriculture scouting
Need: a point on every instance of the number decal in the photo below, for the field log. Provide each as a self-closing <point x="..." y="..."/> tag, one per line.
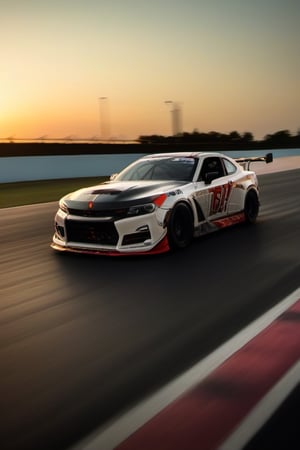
<point x="219" y="200"/>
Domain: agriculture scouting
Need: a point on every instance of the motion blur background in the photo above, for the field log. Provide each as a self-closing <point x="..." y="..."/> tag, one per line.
<point x="86" y="68"/>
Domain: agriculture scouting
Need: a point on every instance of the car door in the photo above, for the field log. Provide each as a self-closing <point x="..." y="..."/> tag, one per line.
<point x="213" y="189"/>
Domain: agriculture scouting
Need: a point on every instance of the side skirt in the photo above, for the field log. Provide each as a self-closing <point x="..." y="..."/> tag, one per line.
<point x="214" y="225"/>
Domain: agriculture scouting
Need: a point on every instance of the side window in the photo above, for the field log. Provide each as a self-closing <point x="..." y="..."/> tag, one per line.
<point x="212" y="164"/>
<point x="230" y="168"/>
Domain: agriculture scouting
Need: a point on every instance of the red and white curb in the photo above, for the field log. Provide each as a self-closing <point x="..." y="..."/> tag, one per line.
<point x="223" y="400"/>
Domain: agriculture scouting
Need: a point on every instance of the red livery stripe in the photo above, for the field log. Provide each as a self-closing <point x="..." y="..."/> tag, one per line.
<point x="230" y="220"/>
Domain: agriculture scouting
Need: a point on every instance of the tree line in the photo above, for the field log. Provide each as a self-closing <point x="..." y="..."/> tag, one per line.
<point x="195" y="141"/>
<point x="234" y="140"/>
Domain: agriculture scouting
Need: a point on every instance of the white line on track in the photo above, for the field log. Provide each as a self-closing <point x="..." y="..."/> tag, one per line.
<point x="112" y="434"/>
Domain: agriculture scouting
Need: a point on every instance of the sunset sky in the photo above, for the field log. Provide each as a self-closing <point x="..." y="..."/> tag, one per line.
<point x="231" y="64"/>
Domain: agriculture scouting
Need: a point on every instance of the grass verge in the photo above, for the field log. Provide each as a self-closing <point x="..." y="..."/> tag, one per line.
<point x="42" y="191"/>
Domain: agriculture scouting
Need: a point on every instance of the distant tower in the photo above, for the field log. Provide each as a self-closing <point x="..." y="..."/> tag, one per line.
<point x="176" y="117"/>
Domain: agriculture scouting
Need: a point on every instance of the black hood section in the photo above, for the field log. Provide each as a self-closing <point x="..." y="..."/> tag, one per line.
<point x="122" y="194"/>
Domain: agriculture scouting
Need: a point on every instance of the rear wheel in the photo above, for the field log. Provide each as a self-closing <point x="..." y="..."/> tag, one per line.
<point x="180" y="227"/>
<point x="251" y="207"/>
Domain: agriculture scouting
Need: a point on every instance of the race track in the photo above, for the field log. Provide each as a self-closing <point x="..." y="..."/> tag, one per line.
<point x="84" y="338"/>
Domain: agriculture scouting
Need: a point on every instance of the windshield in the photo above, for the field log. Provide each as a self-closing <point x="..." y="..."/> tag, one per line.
<point x="179" y="169"/>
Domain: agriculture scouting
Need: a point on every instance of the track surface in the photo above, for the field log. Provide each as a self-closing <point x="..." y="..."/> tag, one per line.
<point x="83" y="338"/>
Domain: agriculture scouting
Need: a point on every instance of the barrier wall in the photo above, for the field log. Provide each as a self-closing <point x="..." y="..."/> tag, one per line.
<point x="27" y="168"/>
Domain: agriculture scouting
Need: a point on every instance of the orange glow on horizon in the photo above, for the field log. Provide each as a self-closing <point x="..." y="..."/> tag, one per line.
<point x="226" y="75"/>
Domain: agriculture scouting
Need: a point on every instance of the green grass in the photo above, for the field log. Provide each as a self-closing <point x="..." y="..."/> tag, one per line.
<point x="30" y="192"/>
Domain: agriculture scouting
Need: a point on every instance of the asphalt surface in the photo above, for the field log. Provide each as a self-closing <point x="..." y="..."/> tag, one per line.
<point x="84" y="338"/>
<point x="282" y="430"/>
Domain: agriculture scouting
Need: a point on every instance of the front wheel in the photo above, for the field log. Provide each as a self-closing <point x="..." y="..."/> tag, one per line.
<point x="180" y="227"/>
<point x="251" y="207"/>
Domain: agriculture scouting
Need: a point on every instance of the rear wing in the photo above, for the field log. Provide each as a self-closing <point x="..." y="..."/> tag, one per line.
<point x="245" y="162"/>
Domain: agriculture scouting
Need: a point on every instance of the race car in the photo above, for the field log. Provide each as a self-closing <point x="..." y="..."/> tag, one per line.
<point x="157" y="203"/>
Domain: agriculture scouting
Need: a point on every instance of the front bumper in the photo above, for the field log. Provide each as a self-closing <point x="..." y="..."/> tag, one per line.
<point x="143" y="234"/>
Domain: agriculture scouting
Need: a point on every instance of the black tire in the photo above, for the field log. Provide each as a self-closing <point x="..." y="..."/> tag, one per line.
<point x="180" y="227"/>
<point x="251" y="207"/>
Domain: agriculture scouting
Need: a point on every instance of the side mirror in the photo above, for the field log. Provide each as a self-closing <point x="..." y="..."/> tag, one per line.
<point x="210" y="176"/>
<point x="113" y="176"/>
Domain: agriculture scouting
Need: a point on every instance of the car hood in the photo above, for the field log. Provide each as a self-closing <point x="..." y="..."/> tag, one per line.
<point x="112" y="194"/>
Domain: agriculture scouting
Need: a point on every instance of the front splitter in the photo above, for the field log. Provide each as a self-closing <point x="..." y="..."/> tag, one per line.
<point x="161" y="247"/>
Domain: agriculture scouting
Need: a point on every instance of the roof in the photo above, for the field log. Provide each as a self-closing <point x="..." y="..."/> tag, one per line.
<point x="182" y="154"/>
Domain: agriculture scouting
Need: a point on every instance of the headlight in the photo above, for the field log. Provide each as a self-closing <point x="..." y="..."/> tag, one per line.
<point x="138" y="210"/>
<point x="63" y="206"/>
<point x="147" y="208"/>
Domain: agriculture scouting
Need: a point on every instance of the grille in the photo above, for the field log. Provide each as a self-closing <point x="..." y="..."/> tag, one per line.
<point x="103" y="233"/>
<point x="116" y="214"/>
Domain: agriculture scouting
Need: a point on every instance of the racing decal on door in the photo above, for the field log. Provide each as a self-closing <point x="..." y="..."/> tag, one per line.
<point x="219" y="199"/>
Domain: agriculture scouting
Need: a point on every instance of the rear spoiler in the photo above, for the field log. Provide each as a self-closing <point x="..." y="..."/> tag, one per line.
<point x="245" y="162"/>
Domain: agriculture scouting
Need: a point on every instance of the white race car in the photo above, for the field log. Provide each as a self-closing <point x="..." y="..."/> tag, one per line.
<point x="158" y="203"/>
